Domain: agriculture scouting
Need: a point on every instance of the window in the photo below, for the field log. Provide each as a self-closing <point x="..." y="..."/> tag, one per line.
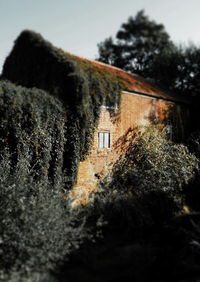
<point x="104" y="140"/>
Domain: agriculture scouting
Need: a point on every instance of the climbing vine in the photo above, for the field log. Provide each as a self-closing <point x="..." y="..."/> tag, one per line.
<point x="81" y="85"/>
<point x="32" y="124"/>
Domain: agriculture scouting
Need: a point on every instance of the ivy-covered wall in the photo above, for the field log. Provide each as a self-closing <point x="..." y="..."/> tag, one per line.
<point x="32" y="126"/>
<point x="81" y="86"/>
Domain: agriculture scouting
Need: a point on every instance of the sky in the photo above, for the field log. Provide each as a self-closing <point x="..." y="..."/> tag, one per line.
<point x="78" y="26"/>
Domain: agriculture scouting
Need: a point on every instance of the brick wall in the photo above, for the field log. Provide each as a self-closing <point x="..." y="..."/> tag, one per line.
<point x="135" y="110"/>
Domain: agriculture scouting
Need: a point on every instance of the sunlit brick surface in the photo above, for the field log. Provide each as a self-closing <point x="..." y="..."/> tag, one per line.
<point x="135" y="110"/>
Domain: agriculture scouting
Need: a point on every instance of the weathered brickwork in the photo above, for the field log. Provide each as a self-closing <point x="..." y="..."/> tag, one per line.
<point x="135" y="110"/>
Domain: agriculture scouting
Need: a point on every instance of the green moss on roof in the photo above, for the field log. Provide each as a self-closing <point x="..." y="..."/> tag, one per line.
<point x="95" y="68"/>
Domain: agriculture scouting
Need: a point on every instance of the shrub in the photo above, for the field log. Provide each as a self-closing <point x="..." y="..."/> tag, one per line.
<point x="37" y="227"/>
<point x="154" y="163"/>
<point x="145" y="187"/>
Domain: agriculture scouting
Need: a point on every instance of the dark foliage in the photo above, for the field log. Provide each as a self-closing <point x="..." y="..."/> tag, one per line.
<point x="145" y="233"/>
<point x="145" y="187"/>
<point x="79" y="84"/>
<point x="32" y="122"/>
<point x="142" y="231"/>
<point x="151" y="163"/>
<point x="137" y="44"/>
<point x="37" y="227"/>
<point x="178" y="69"/>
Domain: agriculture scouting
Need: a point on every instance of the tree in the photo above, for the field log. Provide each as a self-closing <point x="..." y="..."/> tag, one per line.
<point x="178" y="70"/>
<point x="137" y="44"/>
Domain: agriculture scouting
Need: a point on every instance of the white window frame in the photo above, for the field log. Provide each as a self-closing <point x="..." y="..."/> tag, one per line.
<point x="103" y="140"/>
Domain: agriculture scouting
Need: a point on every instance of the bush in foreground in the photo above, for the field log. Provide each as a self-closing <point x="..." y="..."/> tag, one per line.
<point x="37" y="227"/>
<point x="147" y="184"/>
<point x="154" y="163"/>
<point x="145" y="233"/>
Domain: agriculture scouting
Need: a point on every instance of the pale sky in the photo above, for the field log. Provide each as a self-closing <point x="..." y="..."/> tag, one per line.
<point x="78" y="25"/>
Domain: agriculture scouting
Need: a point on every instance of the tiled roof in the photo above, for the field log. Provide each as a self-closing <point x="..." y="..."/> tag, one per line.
<point x="133" y="82"/>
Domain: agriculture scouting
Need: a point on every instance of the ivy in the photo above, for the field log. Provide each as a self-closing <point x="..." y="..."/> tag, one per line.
<point x="81" y="85"/>
<point x="32" y="123"/>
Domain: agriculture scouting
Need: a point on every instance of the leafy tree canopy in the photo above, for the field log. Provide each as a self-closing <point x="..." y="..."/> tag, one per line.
<point x="178" y="70"/>
<point x="137" y="44"/>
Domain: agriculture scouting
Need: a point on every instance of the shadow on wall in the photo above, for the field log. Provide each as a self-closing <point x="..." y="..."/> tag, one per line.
<point x="146" y="236"/>
<point x="151" y="161"/>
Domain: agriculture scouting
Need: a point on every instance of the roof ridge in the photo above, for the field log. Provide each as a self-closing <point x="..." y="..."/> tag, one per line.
<point x="106" y="65"/>
<point x="148" y="86"/>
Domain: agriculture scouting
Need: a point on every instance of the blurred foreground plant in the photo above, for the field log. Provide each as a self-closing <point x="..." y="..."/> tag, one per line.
<point x="154" y="163"/>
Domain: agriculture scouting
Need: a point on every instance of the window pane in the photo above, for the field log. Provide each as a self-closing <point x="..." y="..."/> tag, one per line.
<point x="100" y="137"/>
<point x="106" y="140"/>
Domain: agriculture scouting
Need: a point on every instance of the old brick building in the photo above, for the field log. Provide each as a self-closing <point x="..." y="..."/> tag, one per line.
<point x="141" y="104"/>
<point x="85" y="87"/>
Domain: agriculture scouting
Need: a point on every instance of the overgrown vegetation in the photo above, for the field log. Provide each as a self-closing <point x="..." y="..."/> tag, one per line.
<point x="152" y="174"/>
<point x="81" y="86"/>
<point x="139" y="204"/>
<point x="139" y="214"/>
<point x="148" y="234"/>
<point x="150" y="164"/>
<point x="37" y="227"/>
<point x="33" y="122"/>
